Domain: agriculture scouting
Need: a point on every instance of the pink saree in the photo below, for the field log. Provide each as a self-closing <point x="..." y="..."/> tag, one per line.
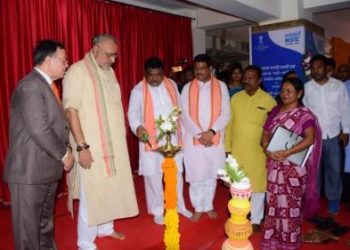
<point x="287" y="201"/>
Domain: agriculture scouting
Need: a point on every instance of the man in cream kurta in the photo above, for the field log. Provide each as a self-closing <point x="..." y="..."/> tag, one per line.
<point x="249" y="110"/>
<point x="102" y="179"/>
<point x="150" y="162"/>
<point x="204" y="158"/>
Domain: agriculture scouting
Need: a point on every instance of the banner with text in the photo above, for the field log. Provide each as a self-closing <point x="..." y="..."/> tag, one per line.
<point x="277" y="52"/>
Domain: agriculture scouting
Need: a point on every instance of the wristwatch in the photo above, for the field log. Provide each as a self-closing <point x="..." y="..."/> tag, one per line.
<point x="82" y="147"/>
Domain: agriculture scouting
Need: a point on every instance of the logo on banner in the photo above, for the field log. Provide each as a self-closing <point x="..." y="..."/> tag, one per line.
<point x="261" y="46"/>
<point x="292" y="38"/>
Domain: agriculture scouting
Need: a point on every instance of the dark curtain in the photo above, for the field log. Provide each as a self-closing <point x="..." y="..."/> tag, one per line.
<point x="140" y="33"/>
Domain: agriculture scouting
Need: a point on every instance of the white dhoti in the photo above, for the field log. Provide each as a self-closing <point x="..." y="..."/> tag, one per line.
<point x="202" y="194"/>
<point x="87" y="234"/>
<point x="155" y="197"/>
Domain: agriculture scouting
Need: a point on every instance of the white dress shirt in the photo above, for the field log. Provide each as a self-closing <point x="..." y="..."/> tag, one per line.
<point x="43" y="74"/>
<point x="330" y="103"/>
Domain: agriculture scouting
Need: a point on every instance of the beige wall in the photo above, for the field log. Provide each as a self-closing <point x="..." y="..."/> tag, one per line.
<point x="336" y="24"/>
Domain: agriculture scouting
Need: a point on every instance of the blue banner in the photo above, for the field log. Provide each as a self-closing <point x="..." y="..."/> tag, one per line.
<point x="277" y="52"/>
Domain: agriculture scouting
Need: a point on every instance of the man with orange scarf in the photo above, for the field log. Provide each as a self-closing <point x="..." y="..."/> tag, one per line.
<point x="155" y="95"/>
<point x="101" y="178"/>
<point x="206" y="111"/>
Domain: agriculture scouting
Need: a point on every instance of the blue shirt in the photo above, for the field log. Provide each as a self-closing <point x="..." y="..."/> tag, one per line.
<point x="234" y="90"/>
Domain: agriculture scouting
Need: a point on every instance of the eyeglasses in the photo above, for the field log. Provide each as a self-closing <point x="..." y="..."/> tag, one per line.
<point x="108" y="54"/>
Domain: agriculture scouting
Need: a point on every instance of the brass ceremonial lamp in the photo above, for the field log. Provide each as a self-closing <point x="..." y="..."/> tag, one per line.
<point x="168" y="150"/>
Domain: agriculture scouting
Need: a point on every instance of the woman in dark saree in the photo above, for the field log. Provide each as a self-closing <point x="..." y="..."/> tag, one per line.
<point x="288" y="202"/>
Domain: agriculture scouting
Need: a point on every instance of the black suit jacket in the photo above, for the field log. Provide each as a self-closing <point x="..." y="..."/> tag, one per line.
<point x="38" y="133"/>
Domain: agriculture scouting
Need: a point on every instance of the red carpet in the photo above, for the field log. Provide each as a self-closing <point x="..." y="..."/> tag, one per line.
<point x="142" y="233"/>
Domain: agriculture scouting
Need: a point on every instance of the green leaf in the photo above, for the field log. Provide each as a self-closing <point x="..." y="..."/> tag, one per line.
<point x="235" y="176"/>
<point x="144" y="137"/>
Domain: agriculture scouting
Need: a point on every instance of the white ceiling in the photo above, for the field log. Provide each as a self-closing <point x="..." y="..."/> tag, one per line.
<point x="244" y="13"/>
<point x="245" y="9"/>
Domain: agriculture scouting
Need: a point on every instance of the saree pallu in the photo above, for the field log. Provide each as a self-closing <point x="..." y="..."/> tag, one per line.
<point x="287" y="201"/>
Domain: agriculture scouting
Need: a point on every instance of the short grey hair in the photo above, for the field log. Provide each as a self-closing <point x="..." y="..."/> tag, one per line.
<point x="102" y="37"/>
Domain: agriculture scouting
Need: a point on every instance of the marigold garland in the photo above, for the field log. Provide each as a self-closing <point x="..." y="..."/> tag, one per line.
<point x="169" y="170"/>
<point x="171" y="234"/>
<point x="171" y="220"/>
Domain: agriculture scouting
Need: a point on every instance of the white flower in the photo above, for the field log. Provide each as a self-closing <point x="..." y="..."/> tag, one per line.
<point x="229" y="158"/>
<point x="226" y="179"/>
<point x="169" y="121"/>
<point x="245" y="180"/>
<point x="240" y="173"/>
<point x="166" y="126"/>
<point x="163" y="117"/>
<point x="232" y="162"/>
<point x="174" y="118"/>
<point x="222" y="172"/>
<point x="233" y="173"/>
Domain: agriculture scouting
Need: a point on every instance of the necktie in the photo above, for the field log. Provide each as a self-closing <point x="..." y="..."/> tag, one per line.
<point x="56" y="92"/>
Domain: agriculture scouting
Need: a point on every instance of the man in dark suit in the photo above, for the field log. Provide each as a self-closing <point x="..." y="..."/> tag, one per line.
<point x="38" y="150"/>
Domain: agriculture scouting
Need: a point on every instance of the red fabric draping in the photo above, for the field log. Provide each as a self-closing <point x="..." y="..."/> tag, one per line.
<point x="140" y="33"/>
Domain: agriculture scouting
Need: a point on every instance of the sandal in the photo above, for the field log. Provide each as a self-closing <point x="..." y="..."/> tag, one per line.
<point x="317" y="237"/>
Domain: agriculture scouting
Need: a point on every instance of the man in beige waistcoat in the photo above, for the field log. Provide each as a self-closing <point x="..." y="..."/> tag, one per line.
<point x="102" y="178"/>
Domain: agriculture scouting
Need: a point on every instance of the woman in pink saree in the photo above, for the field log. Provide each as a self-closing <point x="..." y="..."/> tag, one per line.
<point x="287" y="201"/>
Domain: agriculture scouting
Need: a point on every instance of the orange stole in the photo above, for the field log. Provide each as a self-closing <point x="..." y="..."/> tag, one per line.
<point x="215" y="106"/>
<point x="149" y="122"/>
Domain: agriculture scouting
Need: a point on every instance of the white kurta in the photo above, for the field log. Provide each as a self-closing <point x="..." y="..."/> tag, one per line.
<point x="203" y="162"/>
<point x="150" y="162"/>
